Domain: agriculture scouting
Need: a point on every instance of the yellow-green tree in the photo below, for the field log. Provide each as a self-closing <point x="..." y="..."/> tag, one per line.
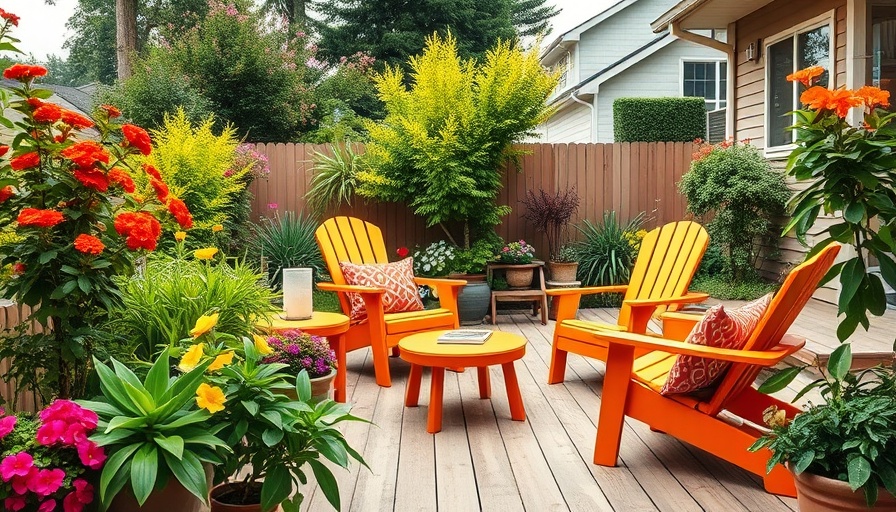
<point x="447" y="136"/>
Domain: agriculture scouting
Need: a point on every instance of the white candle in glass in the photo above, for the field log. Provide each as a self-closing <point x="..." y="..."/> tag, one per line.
<point x="297" y="303"/>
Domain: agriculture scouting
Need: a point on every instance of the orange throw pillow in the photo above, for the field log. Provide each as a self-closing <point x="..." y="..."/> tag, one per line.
<point x="718" y="328"/>
<point x="396" y="278"/>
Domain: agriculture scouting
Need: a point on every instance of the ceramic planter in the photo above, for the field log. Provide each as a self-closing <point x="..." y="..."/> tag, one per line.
<point x="820" y="494"/>
<point x="320" y="388"/>
<point x="473" y="301"/>
<point x="223" y="490"/>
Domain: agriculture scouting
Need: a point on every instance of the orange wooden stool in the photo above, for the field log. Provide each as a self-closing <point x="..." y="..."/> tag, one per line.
<point x="423" y="350"/>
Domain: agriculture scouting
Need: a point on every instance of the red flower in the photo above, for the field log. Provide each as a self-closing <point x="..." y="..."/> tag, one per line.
<point x="92" y="177"/>
<point x="10" y="17"/>
<point x="89" y="244"/>
<point x="24" y="72"/>
<point x="137" y="137"/>
<point x="86" y="154"/>
<point x="35" y="102"/>
<point x="121" y="177"/>
<point x="402" y="252"/>
<point x="18" y="268"/>
<point x="48" y="113"/>
<point x="141" y="229"/>
<point x="76" y="120"/>
<point x="180" y="212"/>
<point x="152" y="171"/>
<point x="161" y="189"/>
<point x="5" y="193"/>
<point x="4" y="149"/>
<point x="111" y="111"/>
<point x="39" y="218"/>
<point x="26" y="161"/>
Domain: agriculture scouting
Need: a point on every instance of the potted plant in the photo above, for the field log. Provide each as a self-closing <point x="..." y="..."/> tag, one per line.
<point x="551" y="213"/>
<point x="302" y="351"/>
<point x="48" y="462"/>
<point x="848" y="170"/>
<point x="469" y="264"/>
<point x="274" y="437"/>
<point x="517" y="253"/>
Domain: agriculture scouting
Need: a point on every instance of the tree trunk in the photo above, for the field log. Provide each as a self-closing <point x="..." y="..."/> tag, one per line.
<point x="299" y="18"/>
<point x="125" y="35"/>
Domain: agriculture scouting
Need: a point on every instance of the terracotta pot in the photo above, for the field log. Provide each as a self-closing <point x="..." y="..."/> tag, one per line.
<point x="820" y="494"/>
<point x="172" y="498"/>
<point x="563" y="272"/>
<point x="320" y="388"/>
<point x="223" y="489"/>
<point x="519" y="278"/>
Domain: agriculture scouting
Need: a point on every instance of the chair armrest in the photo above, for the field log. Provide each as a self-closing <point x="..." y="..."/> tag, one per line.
<point x="557" y="292"/>
<point x="689" y="298"/>
<point x="346" y="288"/>
<point x="678" y="325"/>
<point x="434" y="282"/>
<point x="787" y="346"/>
<point x="447" y="291"/>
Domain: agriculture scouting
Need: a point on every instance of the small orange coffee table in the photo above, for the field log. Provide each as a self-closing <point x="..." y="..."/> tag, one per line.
<point x="333" y="326"/>
<point x="423" y="350"/>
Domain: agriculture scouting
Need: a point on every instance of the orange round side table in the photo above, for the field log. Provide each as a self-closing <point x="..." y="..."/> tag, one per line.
<point x="424" y="350"/>
<point x="333" y="326"/>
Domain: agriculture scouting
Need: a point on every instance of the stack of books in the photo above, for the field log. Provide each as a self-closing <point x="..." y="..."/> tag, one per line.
<point x="465" y="337"/>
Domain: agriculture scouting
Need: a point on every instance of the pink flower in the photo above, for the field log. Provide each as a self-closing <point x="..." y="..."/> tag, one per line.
<point x="272" y="206"/>
<point x="20" y="483"/>
<point x="46" y="481"/>
<point x="91" y="455"/>
<point x="51" y="431"/>
<point x="16" y="465"/>
<point x="47" y="506"/>
<point x="71" y="503"/>
<point x="61" y="410"/>
<point x="6" y="425"/>
<point x="14" y="503"/>
<point x="74" y="434"/>
<point x="83" y="491"/>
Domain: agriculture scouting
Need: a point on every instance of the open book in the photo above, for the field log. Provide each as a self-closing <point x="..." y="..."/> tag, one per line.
<point x="465" y="336"/>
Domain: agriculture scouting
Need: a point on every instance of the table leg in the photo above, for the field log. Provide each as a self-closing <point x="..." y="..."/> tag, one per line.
<point x="412" y="392"/>
<point x="340" y="392"/>
<point x="517" y="411"/>
<point x="434" y="421"/>
<point x="485" y="383"/>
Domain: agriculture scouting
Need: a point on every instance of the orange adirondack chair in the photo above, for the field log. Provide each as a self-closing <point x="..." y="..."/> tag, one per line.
<point x="356" y="241"/>
<point x="631" y="385"/>
<point x="666" y="263"/>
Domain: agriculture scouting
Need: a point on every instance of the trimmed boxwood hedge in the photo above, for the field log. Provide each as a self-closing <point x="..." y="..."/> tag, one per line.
<point x="659" y="119"/>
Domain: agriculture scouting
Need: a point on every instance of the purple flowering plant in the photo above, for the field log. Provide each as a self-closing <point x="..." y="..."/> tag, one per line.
<point x="517" y="252"/>
<point x="302" y="351"/>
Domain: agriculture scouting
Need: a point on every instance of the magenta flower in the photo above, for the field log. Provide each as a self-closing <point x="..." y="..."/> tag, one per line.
<point x="46" y="481"/>
<point x="47" y="506"/>
<point x="91" y="455"/>
<point x="14" y="503"/>
<point x="6" y="425"/>
<point x="272" y="206"/>
<point x="16" y="465"/>
<point x="20" y="483"/>
<point x="51" y="431"/>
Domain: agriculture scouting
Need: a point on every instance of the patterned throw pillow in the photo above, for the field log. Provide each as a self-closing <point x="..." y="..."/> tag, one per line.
<point x="396" y="278"/>
<point x="718" y="328"/>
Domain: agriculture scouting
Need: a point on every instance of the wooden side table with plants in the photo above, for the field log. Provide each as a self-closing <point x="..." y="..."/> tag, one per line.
<point x="534" y="292"/>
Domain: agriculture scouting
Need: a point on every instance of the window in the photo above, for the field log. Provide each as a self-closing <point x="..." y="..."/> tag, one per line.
<point x="799" y="50"/>
<point x="564" y="66"/>
<point x="708" y="80"/>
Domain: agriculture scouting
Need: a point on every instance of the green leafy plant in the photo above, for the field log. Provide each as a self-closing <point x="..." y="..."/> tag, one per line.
<point x="850" y="437"/>
<point x="289" y="242"/>
<point x="334" y="178"/>
<point x="445" y="139"/>
<point x="171" y="294"/>
<point x="658" y="119"/>
<point x="720" y="287"/>
<point x="436" y="260"/>
<point x="567" y="254"/>
<point x="735" y="184"/>
<point x="606" y="255"/>
<point x="474" y="259"/>
<point x="153" y="430"/>
<point x="551" y="213"/>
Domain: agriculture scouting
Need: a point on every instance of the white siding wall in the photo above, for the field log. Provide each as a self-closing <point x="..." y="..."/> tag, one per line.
<point x="571" y="124"/>
<point x="657" y="75"/>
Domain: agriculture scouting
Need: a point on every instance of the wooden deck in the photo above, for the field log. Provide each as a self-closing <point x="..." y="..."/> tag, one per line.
<point x="482" y="460"/>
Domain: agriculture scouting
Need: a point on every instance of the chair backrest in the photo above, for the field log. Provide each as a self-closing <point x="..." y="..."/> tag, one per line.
<point x="796" y="291"/>
<point x="666" y="263"/>
<point x="349" y="239"/>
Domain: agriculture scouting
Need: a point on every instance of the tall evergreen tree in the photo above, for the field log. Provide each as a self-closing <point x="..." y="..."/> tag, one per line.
<point x="393" y="30"/>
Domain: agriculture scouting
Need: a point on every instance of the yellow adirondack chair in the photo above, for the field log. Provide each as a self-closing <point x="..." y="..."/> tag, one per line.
<point x="356" y="241"/>
<point x="632" y="384"/>
<point x="666" y="263"/>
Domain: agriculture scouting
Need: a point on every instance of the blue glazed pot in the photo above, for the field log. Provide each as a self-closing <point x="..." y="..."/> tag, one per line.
<point x="473" y="302"/>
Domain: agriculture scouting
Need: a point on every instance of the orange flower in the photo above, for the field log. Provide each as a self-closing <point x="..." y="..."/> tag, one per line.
<point x="152" y="171"/>
<point x="121" y="177"/>
<point x="815" y="97"/>
<point x="180" y="212"/>
<point x="85" y="154"/>
<point x="161" y="189"/>
<point x="32" y="217"/>
<point x="806" y="76"/>
<point x="141" y="229"/>
<point x="874" y="97"/>
<point x="26" y="161"/>
<point x="92" y="178"/>
<point x="89" y="244"/>
<point x="48" y="113"/>
<point x="841" y="101"/>
<point x="10" y="17"/>
<point x="111" y="111"/>
<point x="76" y="120"/>
<point x="5" y="193"/>
<point x="23" y="72"/>
<point x="136" y="137"/>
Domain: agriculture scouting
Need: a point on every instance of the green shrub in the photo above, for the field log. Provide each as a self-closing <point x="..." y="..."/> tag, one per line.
<point x="720" y="287"/>
<point x="334" y="178"/>
<point x="606" y="256"/>
<point x="659" y="119"/>
<point x="163" y="303"/>
<point x="199" y="168"/>
<point x="739" y="187"/>
<point x="289" y="242"/>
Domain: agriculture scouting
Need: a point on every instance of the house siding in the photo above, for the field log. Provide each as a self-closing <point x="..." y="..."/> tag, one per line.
<point x="772" y="19"/>
<point x="572" y="123"/>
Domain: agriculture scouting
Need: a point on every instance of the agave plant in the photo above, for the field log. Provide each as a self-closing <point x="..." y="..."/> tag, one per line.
<point x="288" y="241"/>
<point x="606" y="255"/>
<point x="334" y="178"/>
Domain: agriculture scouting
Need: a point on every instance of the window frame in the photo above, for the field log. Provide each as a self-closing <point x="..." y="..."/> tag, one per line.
<point x="718" y="61"/>
<point x="827" y="19"/>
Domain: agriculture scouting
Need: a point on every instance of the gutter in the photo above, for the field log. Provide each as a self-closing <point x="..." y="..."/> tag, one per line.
<point x="573" y="97"/>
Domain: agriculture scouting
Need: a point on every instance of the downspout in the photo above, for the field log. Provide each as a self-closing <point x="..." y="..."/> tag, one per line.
<point x="728" y="49"/>
<point x="573" y="97"/>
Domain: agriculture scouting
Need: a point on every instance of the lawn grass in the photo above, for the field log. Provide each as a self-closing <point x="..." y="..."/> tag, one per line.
<point x="326" y="301"/>
<point x="721" y="288"/>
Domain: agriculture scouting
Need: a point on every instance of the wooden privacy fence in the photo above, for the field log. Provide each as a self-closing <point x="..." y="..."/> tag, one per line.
<point x="11" y="315"/>
<point x="628" y="178"/>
